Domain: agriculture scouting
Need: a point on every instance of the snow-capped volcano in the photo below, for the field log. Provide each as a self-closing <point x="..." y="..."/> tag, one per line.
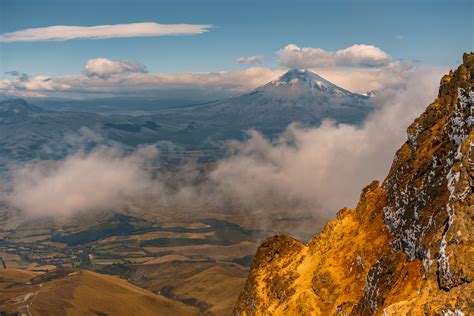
<point x="297" y="82"/>
<point x="299" y="96"/>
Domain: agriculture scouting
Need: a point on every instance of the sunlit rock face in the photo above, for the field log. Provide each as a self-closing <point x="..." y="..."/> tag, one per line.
<point x="407" y="248"/>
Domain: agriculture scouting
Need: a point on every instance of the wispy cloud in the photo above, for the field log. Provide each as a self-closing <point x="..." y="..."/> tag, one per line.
<point x="250" y="60"/>
<point x="358" y="55"/>
<point x="65" y="33"/>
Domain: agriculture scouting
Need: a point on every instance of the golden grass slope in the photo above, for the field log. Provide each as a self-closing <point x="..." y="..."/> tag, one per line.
<point x="212" y="287"/>
<point x="80" y="292"/>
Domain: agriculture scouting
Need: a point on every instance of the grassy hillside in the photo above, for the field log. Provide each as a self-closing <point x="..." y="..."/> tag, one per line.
<point x="80" y="292"/>
<point x="212" y="287"/>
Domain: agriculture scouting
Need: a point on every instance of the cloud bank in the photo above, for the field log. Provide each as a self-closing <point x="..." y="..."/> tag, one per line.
<point x="132" y="80"/>
<point x="105" y="68"/>
<point x="359" y="68"/>
<point x="104" y="77"/>
<point x="64" y="33"/>
<point x="358" y="55"/>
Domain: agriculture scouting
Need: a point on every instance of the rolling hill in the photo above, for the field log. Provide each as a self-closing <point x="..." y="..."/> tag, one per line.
<point x="80" y="292"/>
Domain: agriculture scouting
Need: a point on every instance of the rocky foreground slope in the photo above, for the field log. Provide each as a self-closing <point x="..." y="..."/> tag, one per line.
<point x="406" y="249"/>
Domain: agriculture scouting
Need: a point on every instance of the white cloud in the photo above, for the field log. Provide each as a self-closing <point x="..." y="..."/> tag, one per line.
<point x="315" y="170"/>
<point x="64" y="33"/>
<point x="358" y="55"/>
<point x="250" y="60"/>
<point x="361" y="80"/>
<point x="103" y="179"/>
<point x="324" y="169"/>
<point x="105" y="68"/>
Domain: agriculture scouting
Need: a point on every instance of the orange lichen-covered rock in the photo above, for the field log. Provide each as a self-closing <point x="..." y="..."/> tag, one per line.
<point x="288" y="277"/>
<point x="408" y="247"/>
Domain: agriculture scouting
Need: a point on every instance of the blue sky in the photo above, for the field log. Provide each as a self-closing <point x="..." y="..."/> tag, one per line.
<point x="429" y="32"/>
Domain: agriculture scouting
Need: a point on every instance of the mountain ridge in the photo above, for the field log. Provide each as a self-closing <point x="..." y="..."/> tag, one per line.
<point x="17" y="110"/>
<point x="205" y="126"/>
<point x="407" y="248"/>
<point x="80" y="292"/>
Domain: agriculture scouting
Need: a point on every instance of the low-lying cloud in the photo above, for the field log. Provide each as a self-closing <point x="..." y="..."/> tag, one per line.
<point x="324" y="169"/>
<point x="99" y="180"/>
<point x="65" y="32"/>
<point x="358" y="55"/>
<point x="315" y="170"/>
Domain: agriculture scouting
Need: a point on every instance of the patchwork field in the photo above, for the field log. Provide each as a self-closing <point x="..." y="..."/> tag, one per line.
<point x="195" y="262"/>
<point x="199" y="261"/>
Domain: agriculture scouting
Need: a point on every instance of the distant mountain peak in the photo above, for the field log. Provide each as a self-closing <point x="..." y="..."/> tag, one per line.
<point x="297" y="82"/>
<point x="301" y="75"/>
<point x="16" y="110"/>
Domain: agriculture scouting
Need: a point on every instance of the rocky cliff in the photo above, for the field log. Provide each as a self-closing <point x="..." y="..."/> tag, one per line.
<point x="406" y="249"/>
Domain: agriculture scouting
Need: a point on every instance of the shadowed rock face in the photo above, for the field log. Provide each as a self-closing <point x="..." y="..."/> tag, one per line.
<point x="407" y="248"/>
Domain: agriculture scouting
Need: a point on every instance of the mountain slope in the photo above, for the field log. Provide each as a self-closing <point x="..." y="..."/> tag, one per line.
<point x="30" y="132"/>
<point x="80" y="292"/>
<point x="407" y="248"/>
<point x="210" y="286"/>
<point x="294" y="83"/>
<point x="17" y="110"/>
<point x="297" y="96"/>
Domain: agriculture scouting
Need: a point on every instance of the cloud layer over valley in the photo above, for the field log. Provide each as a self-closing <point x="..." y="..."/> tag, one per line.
<point x="105" y="178"/>
<point x="316" y="170"/>
<point x="325" y="168"/>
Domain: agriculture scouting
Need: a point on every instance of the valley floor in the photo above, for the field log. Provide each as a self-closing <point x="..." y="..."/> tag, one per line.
<point x="186" y="259"/>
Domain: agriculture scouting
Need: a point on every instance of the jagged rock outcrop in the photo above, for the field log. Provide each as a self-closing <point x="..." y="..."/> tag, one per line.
<point x="407" y="248"/>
